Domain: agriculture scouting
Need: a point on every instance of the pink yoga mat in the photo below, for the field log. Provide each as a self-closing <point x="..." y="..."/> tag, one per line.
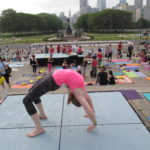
<point x="120" y="60"/>
<point x="146" y="68"/>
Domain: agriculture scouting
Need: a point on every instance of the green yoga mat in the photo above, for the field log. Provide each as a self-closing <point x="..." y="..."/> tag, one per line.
<point x="147" y="95"/>
<point x="130" y="74"/>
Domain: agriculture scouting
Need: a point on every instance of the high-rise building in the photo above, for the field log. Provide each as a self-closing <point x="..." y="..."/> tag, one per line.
<point x="83" y="4"/>
<point x="101" y="5"/>
<point x="138" y="3"/>
<point x="123" y="1"/>
<point x="148" y="3"/>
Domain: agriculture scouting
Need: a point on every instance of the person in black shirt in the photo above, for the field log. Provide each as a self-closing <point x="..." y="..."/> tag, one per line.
<point x="130" y="51"/>
<point x="102" y="78"/>
<point x="34" y="64"/>
<point x="111" y="78"/>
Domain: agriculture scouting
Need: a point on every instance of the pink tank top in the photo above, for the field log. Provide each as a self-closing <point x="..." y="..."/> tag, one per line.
<point x="69" y="77"/>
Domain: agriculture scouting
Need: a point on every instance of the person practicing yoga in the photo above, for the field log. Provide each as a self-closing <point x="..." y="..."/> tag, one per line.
<point x="77" y="96"/>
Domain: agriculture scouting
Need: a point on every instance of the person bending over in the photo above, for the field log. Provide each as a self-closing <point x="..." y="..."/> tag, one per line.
<point x="78" y="96"/>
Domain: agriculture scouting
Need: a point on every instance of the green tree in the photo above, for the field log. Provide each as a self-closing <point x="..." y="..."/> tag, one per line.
<point x="107" y="19"/>
<point x="83" y="22"/>
<point x="8" y="20"/>
<point x="11" y="21"/>
<point x="142" y="23"/>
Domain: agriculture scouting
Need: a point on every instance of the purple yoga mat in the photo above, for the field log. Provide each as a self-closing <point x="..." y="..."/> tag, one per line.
<point x="140" y="74"/>
<point x="130" y="94"/>
<point x="20" y="82"/>
<point x="131" y="67"/>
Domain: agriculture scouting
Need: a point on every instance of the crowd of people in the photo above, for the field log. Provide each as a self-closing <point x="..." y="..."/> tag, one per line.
<point x="94" y="58"/>
<point x="66" y="49"/>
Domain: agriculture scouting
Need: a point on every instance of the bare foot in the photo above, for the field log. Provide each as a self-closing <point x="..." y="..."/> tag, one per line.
<point x="86" y="116"/>
<point x="35" y="132"/>
<point x="43" y="117"/>
<point x="91" y="128"/>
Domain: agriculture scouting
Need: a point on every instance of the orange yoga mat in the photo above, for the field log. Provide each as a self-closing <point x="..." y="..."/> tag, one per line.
<point x="22" y="86"/>
<point x="133" y="64"/>
<point x="148" y="78"/>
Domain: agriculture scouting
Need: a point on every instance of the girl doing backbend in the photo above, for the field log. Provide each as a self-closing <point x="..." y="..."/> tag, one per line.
<point x="78" y="96"/>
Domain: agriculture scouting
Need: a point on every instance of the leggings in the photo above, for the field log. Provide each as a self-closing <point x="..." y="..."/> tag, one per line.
<point x="34" y="68"/>
<point x="41" y="87"/>
<point x="6" y="76"/>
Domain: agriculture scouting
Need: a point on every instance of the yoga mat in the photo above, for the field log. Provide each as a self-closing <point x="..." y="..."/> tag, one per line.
<point x="31" y="75"/>
<point x="20" y="82"/>
<point x="123" y="79"/>
<point x="148" y="118"/>
<point x="146" y="68"/>
<point x="120" y="63"/>
<point x="148" y="78"/>
<point x="130" y="94"/>
<point x="130" y="74"/>
<point x="15" y="65"/>
<point x="140" y="74"/>
<point x="74" y="68"/>
<point x="22" y="86"/>
<point x="147" y="96"/>
<point x="131" y="67"/>
<point x="108" y="64"/>
<point x="120" y="60"/>
<point x="133" y="64"/>
<point x="118" y="73"/>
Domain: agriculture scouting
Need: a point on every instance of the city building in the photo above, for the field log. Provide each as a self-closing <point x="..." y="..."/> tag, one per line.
<point x="83" y="4"/>
<point x="84" y="7"/>
<point x="138" y="3"/>
<point x="138" y="10"/>
<point x="123" y="1"/>
<point x="101" y="5"/>
<point x="148" y="3"/>
<point x="63" y="17"/>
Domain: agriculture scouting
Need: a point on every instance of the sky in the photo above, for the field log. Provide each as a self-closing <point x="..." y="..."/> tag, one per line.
<point x="50" y="6"/>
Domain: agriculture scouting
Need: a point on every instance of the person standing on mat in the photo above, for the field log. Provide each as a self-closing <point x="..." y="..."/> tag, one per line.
<point x="77" y="96"/>
<point x="34" y="64"/>
<point x="3" y="67"/>
<point x="49" y="63"/>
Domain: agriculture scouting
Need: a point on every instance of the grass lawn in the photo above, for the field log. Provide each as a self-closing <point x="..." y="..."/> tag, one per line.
<point x="103" y="37"/>
<point x="41" y="38"/>
<point x="25" y="39"/>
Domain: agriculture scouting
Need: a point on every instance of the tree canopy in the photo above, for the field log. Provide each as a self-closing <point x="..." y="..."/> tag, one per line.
<point x="109" y="19"/>
<point x="11" y="21"/>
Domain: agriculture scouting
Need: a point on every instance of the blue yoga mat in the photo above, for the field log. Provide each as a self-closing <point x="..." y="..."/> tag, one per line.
<point x="62" y="68"/>
<point x="120" y="63"/>
<point x="20" y="82"/>
<point x="31" y="75"/>
<point x="147" y="95"/>
<point x="148" y="118"/>
<point x="118" y="73"/>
